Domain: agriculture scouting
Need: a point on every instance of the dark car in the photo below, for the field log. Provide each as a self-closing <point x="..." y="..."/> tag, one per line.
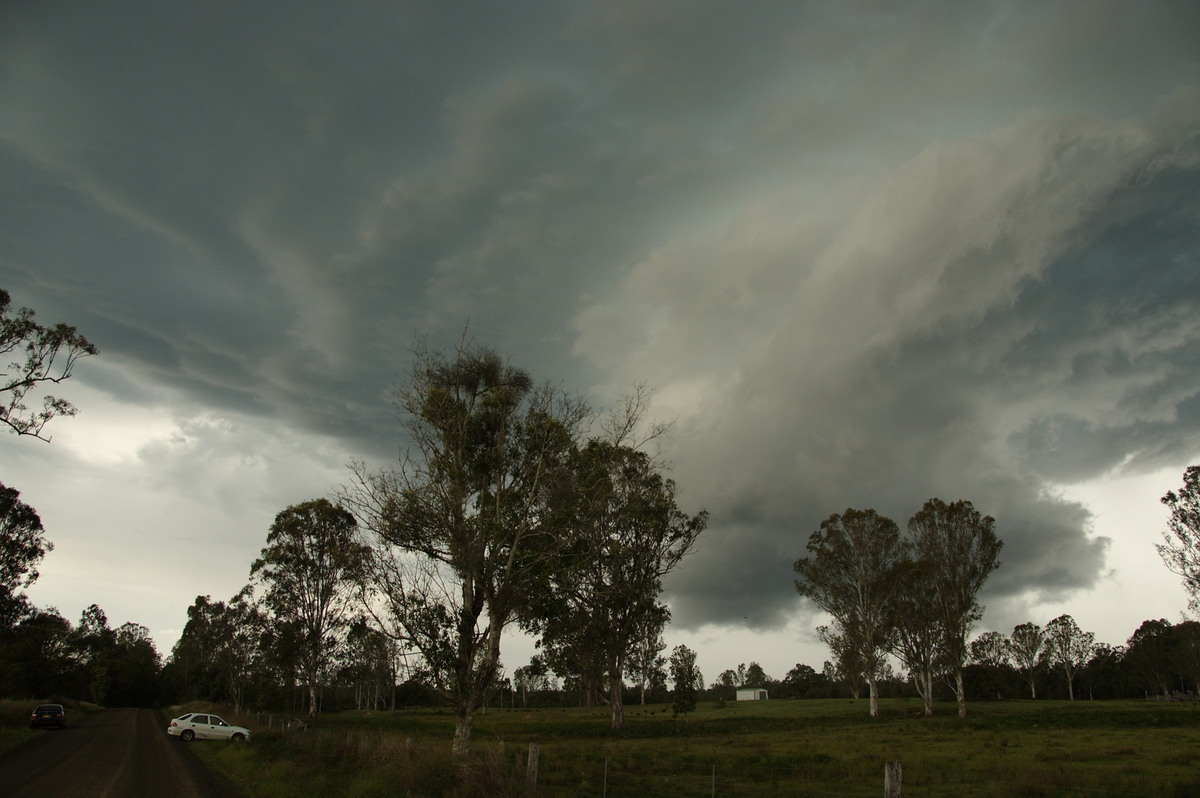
<point x="48" y="716"/>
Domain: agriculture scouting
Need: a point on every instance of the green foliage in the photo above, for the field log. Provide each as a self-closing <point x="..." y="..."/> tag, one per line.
<point x="687" y="680"/>
<point x="310" y="568"/>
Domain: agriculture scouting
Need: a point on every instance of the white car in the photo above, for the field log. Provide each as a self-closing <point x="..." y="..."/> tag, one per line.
<point x="204" y="726"/>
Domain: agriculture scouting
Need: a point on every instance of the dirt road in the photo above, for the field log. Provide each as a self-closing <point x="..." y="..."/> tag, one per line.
<point x="117" y="753"/>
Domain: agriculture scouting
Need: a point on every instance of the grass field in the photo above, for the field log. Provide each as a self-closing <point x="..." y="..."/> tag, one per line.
<point x="772" y="748"/>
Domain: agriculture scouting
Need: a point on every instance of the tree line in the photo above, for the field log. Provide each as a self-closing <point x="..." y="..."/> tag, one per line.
<point x="508" y="510"/>
<point x="516" y="506"/>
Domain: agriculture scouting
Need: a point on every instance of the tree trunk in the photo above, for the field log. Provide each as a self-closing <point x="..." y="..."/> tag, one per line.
<point x="312" y="698"/>
<point x="462" y="729"/>
<point x="925" y="688"/>
<point x="873" y="688"/>
<point x="618" y="705"/>
<point x="960" y="692"/>
<point x="1033" y="687"/>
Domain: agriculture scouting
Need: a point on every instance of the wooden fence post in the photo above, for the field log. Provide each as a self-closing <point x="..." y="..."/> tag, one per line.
<point x="892" y="780"/>
<point x="531" y="772"/>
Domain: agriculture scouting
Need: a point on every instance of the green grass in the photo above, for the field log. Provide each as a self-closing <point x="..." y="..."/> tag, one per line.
<point x="773" y="748"/>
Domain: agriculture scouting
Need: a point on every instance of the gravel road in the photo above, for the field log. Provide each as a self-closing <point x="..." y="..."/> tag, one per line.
<point x="116" y="753"/>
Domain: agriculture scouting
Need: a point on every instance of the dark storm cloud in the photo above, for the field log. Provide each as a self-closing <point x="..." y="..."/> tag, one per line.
<point x="866" y="254"/>
<point x="995" y="317"/>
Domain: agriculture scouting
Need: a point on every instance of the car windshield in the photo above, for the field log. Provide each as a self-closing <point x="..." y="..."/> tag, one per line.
<point x="49" y="708"/>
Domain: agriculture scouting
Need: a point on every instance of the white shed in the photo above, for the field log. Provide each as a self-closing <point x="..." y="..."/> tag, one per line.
<point x="751" y="694"/>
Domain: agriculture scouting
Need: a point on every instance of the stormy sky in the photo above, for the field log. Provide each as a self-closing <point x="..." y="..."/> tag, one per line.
<point x="865" y="255"/>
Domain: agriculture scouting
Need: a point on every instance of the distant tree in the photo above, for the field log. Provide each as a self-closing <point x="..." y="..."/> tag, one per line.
<point x="687" y="679"/>
<point x="1187" y="654"/>
<point x="728" y="680"/>
<point x="626" y="532"/>
<point x="309" y="569"/>
<point x="646" y="663"/>
<point x="132" y="667"/>
<point x="848" y="667"/>
<point x="531" y="678"/>
<point x="852" y="572"/>
<point x="990" y="648"/>
<point x="756" y="676"/>
<point x="1068" y="647"/>
<point x="960" y="548"/>
<point x="23" y="542"/>
<point x="1150" y="655"/>
<point x="1027" y="650"/>
<point x="1180" y="549"/>
<point x="1104" y="675"/>
<point x="46" y="356"/>
<point x="803" y="681"/>
<point x="36" y="658"/>
<point x="219" y="652"/>
<point x="466" y="528"/>
<point x="369" y="665"/>
<point x="93" y="643"/>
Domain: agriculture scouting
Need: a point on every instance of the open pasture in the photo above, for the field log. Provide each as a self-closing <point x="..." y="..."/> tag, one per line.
<point x="773" y="748"/>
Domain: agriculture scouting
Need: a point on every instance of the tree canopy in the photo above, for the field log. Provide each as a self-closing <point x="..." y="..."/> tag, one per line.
<point x="44" y="356"/>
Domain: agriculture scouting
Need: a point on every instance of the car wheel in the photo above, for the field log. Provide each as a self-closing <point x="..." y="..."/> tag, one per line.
<point x="238" y="738"/>
<point x="187" y="735"/>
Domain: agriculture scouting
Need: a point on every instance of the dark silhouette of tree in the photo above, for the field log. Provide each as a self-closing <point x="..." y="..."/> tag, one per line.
<point x="960" y="550"/>
<point x="1180" y="549"/>
<point x="310" y="568"/>
<point x="917" y="636"/>
<point x="1027" y="649"/>
<point x="852" y="572"/>
<point x="626" y="533"/>
<point x="1068" y="647"/>
<point x="686" y="678"/>
<point x="465" y="528"/>
<point x="45" y="356"/>
<point x="23" y="543"/>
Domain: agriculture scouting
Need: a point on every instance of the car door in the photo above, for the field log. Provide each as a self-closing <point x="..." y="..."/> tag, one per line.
<point x="218" y="729"/>
<point x="199" y="725"/>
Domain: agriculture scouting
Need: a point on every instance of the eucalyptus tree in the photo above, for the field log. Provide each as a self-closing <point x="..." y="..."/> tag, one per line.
<point x="464" y="529"/>
<point x="647" y="665"/>
<point x="626" y="533"/>
<point x="960" y="550"/>
<point x="687" y="679"/>
<point x="1068" y="647"/>
<point x="853" y="572"/>
<point x="1180" y="549"/>
<point x="45" y="357"/>
<point x="310" y="568"/>
<point x="1027" y="650"/>
<point x="917" y="636"/>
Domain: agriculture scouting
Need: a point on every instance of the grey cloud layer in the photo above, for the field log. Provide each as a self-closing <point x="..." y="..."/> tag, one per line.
<point x="997" y="315"/>
<point x="866" y="255"/>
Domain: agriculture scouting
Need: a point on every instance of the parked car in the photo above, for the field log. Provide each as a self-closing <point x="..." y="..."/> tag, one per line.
<point x="206" y="726"/>
<point x="48" y="716"/>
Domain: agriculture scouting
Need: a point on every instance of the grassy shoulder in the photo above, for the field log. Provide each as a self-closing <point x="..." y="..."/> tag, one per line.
<point x="1016" y="748"/>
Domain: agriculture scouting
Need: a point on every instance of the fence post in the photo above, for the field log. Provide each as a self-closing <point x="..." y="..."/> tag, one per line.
<point x="531" y="772"/>
<point x="892" y="779"/>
